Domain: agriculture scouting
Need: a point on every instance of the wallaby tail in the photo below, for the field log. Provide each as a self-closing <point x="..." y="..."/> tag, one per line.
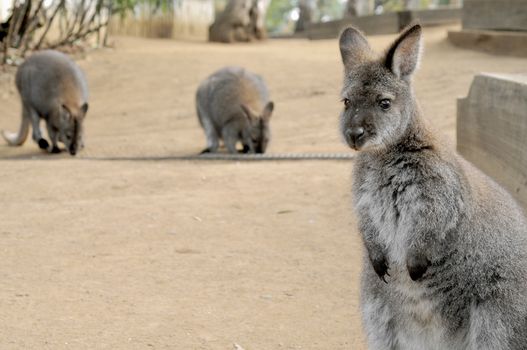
<point x="17" y="139"/>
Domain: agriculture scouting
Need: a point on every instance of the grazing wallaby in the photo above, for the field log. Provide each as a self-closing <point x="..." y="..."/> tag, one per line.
<point x="233" y="104"/>
<point x="446" y="262"/>
<point x="240" y="21"/>
<point x="51" y="87"/>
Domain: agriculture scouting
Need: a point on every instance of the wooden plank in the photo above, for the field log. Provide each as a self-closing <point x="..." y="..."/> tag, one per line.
<point x="494" y="42"/>
<point x="495" y="15"/>
<point x="492" y="129"/>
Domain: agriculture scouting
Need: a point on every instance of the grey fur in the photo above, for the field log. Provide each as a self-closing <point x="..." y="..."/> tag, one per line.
<point x="446" y="262"/>
<point x="233" y="104"/>
<point x="51" y="87"/>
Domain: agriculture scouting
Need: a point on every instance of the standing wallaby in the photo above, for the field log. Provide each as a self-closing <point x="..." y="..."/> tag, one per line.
<point x="51" y="87"/>
<point x="446" y="262"/>
<point x="233" y="104"/>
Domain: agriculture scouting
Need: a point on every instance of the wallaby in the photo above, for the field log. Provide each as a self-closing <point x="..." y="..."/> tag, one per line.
<point x="446" y="247"/>
<point x="240" y="21"/>
<point x="51" y="87"/>
<point x="233" y="104"/>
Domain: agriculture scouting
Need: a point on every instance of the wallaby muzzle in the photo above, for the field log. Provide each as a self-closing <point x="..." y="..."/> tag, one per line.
<point x="354" y="136"/>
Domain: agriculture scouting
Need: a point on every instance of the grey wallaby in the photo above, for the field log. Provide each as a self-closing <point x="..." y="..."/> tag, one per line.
<point x="233" y="104"/>
<point x="52" y="87"/>
<point x="446" y="247"/>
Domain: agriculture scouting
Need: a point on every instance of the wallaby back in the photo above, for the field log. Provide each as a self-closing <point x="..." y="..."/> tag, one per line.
<point x="52" y="87"/>
<point x="233" y="104"/>
<point x="49" y="79"/>
<point x="446" y="262"/>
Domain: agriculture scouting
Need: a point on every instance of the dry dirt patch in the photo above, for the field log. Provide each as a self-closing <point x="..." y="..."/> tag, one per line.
<point x="193" y="255"/>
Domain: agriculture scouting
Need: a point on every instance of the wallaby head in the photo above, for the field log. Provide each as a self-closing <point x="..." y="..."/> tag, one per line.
<point x="377" y="92"/>
<point x="69" y="127"/>
<point x="259" y="126"/>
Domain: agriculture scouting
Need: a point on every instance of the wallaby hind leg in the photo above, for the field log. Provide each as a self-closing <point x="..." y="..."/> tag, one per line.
<point x="213" y="141"/>
<point x="34" y="118"/>
<point x="377" y="316"/>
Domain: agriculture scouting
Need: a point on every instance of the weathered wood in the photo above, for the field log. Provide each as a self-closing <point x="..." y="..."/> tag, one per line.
<point x="495" y="42"/>
<point x="495" y="15"/>
<point x="386" y="23"/>
<point x="492" y="129"/>
<point x="434" y="17"/>
<point x="497" y="27"/>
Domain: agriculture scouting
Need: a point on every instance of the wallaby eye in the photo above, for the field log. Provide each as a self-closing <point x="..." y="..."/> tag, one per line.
<point x="347" y="103"/>
<point x="385" y="104"/>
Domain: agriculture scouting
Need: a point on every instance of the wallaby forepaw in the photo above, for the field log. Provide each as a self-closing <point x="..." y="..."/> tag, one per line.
<point x="206" y="150"/>
<point x="55" y="150"/>
<point x="417" y="266"/>
<point x="43" y="144"/>
<point x="381" y="268"/>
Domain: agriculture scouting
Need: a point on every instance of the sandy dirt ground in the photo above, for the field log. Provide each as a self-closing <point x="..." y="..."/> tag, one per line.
<point x="99" y="254"/>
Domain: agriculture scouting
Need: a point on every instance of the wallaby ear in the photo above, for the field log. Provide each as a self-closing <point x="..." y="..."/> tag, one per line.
<point x="268" y="110"/>
<point x="354" y="47"/>
<point x="403" y="56"/>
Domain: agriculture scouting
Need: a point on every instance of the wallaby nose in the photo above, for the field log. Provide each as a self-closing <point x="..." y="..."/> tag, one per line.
<point x="354" y="134"/>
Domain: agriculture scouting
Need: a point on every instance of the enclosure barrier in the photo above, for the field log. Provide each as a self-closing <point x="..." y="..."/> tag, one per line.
<point x="203" y="157"/>
<point x="386" y="23"/>
<point x="497" y="27"/>
<point x="236" y="157"/>
<point x="189" y="19"/>
<point x="492" y="129"/>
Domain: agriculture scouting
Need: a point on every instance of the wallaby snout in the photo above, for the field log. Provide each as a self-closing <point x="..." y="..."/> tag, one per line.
<point x="366" y="126"/>
<point x="354" y="136"/>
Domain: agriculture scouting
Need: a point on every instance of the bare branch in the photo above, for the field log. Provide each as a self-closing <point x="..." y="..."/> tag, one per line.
<point x="30" y="30"/>
<point x="48" y="24"/>
<point x="7" y="40"/>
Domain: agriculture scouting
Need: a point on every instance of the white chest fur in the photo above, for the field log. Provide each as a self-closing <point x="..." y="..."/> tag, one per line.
<point x="380" y="205"/>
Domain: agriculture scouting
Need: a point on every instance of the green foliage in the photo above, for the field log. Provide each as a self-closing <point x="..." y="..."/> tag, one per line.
<point x="328" y="10"/>
<point x="122" y="7"/>
<point x="393" y="5"/>
<point x="279" y="19"/>
<point x="278" y="16"/>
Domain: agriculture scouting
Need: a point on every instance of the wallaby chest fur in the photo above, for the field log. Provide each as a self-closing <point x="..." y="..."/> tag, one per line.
<point x="51" y="87"/>
<point x="233" y="104"/>
<point x="446" y="247"/>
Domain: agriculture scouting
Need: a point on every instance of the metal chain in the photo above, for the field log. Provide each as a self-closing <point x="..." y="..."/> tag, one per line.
<point x="236" y="157"/>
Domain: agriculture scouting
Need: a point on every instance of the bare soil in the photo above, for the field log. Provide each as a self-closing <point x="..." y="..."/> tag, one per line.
<point x="100" y="254"/>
